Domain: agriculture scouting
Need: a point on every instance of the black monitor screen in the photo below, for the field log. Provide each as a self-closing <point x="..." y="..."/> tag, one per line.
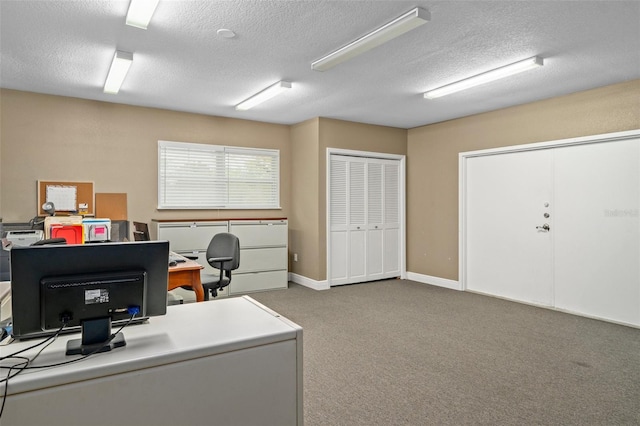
<point x="75" y="283"/>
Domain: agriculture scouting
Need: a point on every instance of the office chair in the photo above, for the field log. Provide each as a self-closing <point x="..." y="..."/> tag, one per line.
<point x="223" y="254"/>
<point x="141" y="231"/>
<point x="49" y="241"/>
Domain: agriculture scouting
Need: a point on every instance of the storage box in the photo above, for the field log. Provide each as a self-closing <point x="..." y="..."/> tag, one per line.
<point x="96" y="230"/>
<point x="74" y="234"/>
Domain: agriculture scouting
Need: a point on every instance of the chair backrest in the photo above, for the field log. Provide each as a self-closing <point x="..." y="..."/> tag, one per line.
<point x="225" y="245"/>
<point x="141" y="231"/>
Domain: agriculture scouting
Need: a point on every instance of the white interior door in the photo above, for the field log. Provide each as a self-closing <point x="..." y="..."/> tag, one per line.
<point x="509" y="254"/>
<point x="597" y="237"/>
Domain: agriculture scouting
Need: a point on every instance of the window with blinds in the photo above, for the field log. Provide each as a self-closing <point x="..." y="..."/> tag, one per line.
<point x="200" y="176"/>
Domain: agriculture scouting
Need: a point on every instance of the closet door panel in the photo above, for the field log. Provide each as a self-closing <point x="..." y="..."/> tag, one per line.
<point x="339" y="251"/>
<point x="391" y="252"/>
<point x="597" y="237"/>
<point x="339" y="236"/>
<point x="357" y="220"/>
<point x="391" y="241"/>
<point x="375" y="220"/>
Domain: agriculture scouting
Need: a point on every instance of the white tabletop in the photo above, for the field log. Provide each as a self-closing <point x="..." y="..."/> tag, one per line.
<point x="187" y="331"/>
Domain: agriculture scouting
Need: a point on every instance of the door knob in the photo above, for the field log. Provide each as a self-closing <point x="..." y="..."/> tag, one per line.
<point x="544" y="227"/>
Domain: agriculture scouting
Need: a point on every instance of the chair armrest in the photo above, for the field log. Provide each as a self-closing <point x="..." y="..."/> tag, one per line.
<point x="220" y="259"/>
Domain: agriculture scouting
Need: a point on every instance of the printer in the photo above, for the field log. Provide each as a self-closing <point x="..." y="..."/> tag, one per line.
<point x="24" y="238"/>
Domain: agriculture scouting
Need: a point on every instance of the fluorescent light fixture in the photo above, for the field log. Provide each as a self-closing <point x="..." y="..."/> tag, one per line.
<point x="266" y="94"/>
<point x="118" y="71"/>
<point x="140" y="13"/>
<point x="485" y="77"/>
<point x="410" y="20"/>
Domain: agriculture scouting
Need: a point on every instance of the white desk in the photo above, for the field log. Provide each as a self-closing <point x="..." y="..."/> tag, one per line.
<point x="5" y="300"/>
<point x="228" y="362"/>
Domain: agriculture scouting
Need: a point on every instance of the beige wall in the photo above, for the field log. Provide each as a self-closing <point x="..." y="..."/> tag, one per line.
<point x="115" y="146"/>
<point x="57" y="138"/>
<point x="310" y="141"/>
<point x="432" y="160"/>
<point x="304" y="219"/>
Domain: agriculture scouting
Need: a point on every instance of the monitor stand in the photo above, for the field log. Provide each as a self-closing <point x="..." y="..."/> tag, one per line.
<point x="96" y="337"/>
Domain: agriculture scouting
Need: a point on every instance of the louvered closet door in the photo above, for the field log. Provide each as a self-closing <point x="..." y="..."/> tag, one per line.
<point x="338" y="237"/>
<point x="364" y="219"/>
<point x="357" y="227"/>
<point x="391" y="222"/>
<point x="375" y="220"/>
<point x="348" y="220"/>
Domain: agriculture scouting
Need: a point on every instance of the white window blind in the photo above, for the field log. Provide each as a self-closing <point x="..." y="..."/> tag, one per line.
<point x="200" y="176"/>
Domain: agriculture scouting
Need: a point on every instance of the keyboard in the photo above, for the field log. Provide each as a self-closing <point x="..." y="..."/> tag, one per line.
<point x="174" y="258"/>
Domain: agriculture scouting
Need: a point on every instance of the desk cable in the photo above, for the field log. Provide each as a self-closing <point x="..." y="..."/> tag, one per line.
<point x="25" y="361"/>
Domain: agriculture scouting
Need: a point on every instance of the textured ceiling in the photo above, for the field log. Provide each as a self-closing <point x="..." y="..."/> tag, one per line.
<point x="180" y="63"/>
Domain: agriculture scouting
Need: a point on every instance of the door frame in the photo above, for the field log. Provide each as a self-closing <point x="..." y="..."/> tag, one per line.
<point x="402" y="193"/>
<point x="463" y="158"/>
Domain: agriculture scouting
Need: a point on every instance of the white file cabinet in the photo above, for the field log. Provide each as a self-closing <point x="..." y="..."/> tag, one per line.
<point x="263" y="250"/>
<point x="192" y="239"/>
<point x="263" y="255"/>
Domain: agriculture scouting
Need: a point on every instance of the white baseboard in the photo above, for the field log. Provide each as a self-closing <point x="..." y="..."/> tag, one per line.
<point x="440" y="282"/>
<point x="308" y="282"/>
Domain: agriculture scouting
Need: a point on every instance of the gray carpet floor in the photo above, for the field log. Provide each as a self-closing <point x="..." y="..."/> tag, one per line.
<point x="404" y="353"/>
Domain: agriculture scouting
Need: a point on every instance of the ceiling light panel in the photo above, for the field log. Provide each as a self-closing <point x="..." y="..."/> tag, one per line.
<point x="118" y="71"/>
<point x="264" y="95"/>
<point x="410" y="20"/>
<point x="486" y="77"/>
<point x="140" y="13"/>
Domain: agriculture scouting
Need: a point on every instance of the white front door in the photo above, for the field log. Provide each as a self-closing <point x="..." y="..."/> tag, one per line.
<point x="509" y="251"/>
<point x="557" y="225"/>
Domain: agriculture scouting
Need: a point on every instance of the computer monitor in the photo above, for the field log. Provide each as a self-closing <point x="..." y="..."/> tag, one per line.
<point x="88" y="287"/>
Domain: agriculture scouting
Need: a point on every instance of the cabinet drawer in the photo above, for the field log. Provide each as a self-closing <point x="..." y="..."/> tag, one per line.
<point x="262" y="259"/>
<point x="258" y="281"/>
<point x="190" y="236"/>
<point x="256" y="234"/>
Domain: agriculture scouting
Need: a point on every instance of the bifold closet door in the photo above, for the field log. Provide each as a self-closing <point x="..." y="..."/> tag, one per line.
<point x="509" y="249"/>
<point x="364" y="219"/>
<point x="338" y="219"/>
<point x="348" y="216"/>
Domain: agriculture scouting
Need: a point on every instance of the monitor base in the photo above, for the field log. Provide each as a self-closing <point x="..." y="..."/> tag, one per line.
<point x="75" y="346"/>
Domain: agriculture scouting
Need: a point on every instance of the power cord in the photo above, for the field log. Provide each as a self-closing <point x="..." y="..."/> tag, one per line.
<point x="24" y="364"/>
